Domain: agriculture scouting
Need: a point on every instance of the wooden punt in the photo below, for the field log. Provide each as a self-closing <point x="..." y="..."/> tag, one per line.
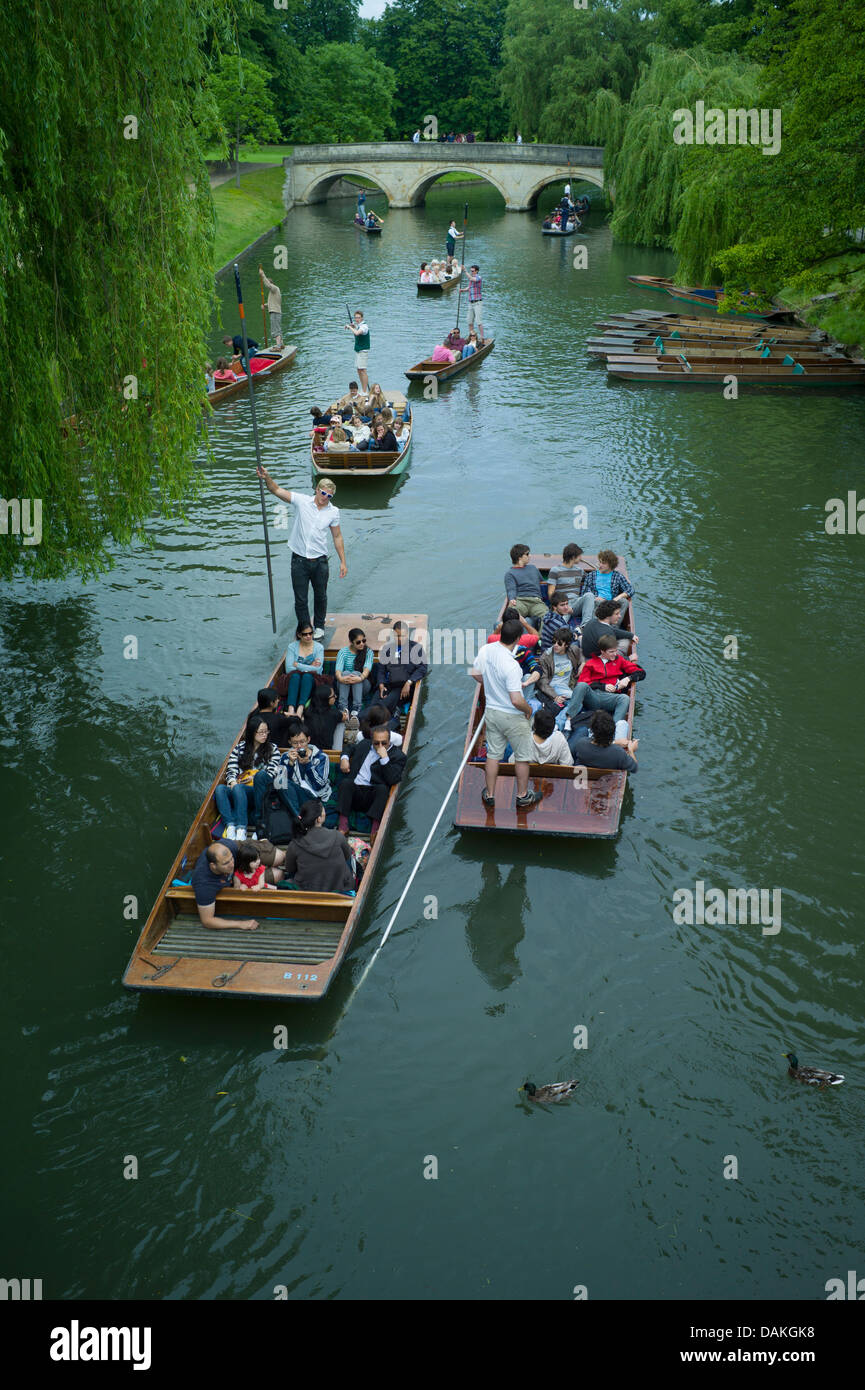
<point x="363" y="464"/>
<point x="720" y="326"/>
<point x="439" y="287"/>
<point x="302" y="937"/>
<point x="574" y="225"/>
<point x="707" y="295"/>
<point x="445" y="370"/>
<point x="726" y="352"/>
<point x="587" y="805"/>
<point x="629" y="342"/>
<point x="759" y="373"/>
<point x="279" y="360"/>
<point x="370" y="231"/>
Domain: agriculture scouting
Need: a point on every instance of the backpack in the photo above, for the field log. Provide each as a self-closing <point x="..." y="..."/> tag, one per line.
<point x="277" y="820"/>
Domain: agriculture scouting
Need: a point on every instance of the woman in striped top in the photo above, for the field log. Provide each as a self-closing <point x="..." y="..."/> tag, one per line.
<point x="252" y="765"/>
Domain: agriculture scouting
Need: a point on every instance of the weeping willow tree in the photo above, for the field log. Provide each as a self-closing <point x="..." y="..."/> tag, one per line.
<point x="643" y="163"/>
<point x="106" y="278"/>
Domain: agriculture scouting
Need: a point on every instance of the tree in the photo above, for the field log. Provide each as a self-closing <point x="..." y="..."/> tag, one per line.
<point x="346" y="94"/>
<point x="107" y="279"/>
<point x="243" y="103"/>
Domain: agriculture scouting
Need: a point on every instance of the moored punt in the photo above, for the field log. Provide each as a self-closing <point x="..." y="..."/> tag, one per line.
<point x="673" y="341"/>
<point x="662" y="370"/>
<point x="303" y="936"/>
<point x="727" y="352"/>
<point x="707" y="295"/>
<point x="277" y="362"/>
<point x="364" y="463"/>
<point x="445" y="370"/>
<point x="683" y="326"/>
<point x="612" y="345"/>
<point x="660" y="283"/>
<point x="586" y="803"/>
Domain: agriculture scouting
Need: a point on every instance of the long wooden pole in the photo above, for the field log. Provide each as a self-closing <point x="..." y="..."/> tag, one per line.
<point x="246" y="364"/>
<point x="263" y="310"/>
<point x="419" y="860"/>
<point x="459" y="291"/>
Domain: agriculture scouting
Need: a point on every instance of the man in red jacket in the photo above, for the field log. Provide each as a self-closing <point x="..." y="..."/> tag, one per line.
<point x="604" y="681"/>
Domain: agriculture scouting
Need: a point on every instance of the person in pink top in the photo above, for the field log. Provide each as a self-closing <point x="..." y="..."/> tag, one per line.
<point x="443" y="354"/>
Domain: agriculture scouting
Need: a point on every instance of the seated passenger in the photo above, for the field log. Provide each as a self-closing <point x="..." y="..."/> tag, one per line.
<point x="376" y="765"/>
<point x="549" y="745"/>
<point x="304" y="771"/>
<point x="560" y="615"/>
<point x="354" y="399"/>
<point x="401" y="434"/>
<point x="223" y="374"/>
<point x="401" y="664"/>
<point x="606" y="581"/>
<point x="208" y="377"/>
<point x="214" y="869"/>
<point x="594" y="747"/>
<point x="268" y="710"/>
<point x="358" y="430"/>
<point x="440" y="353"/>
<point x="319" y="860"/>
<point x="604" y="681"/>
<point x="530" y="639"/>
<point x="423" y="274"/>
<point x="567" y="579"/>
<point x="249" y="871"/>
<point x="304" y="659"/>
<point x="455" y="341"/>
<point x="252" y="765"/>
<point x="523" y="585"/>
<point x="559" y="673"/>
<point x="472" y="344"/>
<point x="337" y="441"/>
<point x="354" y="672"/>
<point x="605" y="623"/>
<point x="326" y="721"/>
<point x="385" y="440"/>
<point x="376" y="400"/>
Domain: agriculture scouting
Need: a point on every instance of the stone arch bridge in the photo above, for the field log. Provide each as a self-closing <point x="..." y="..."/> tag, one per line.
<point x="404" y="171"/>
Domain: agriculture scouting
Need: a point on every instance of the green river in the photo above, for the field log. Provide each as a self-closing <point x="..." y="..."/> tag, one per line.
<point x="304" y="1166"/>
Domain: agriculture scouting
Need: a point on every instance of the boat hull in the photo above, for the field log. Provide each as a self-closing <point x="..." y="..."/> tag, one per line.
<point x="443" y="371"/>
<point x="236" y="388"/>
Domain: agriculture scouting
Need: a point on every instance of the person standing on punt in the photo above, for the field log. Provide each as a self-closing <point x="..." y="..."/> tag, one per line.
<point x="452" y="235"/>
<point x="474" y="290"/>
<point x="361" y="348"/>
<point x="315" y="517"/>
<point x="507" y="714"/>
<point x="274" y="307"/>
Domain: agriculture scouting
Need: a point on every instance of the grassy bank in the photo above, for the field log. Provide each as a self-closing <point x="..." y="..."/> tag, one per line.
<point x="244" y="213"/>
<point x="265" y="154"/>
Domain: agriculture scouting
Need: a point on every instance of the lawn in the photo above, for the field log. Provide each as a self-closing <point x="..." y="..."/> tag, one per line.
<point x="244" y="213"/>
<point x="267" y="154"/>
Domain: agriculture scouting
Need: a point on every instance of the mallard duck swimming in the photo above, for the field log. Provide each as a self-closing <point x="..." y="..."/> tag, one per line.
<point x="812" y="1076"/>
<point x="557" y="1090"/>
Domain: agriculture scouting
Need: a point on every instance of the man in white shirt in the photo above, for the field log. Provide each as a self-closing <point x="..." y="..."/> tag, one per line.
<point x="415" y="139"/>
<point x="314" y="517"/>
<point x="507" y="714"/>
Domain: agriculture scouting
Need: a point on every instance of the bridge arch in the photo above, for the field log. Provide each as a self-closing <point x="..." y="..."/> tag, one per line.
<point x="319" y="187"/>
<point x="417" y="194"/>
<point x="572" y="176"/>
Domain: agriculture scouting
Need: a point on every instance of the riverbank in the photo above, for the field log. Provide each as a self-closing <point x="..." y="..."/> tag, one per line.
<point x="247" y="213"/>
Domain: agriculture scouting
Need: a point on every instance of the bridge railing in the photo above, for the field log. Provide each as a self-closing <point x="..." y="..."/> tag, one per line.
<point x="591" y="156"/>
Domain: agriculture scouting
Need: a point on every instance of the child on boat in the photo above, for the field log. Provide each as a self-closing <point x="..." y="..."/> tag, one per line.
<point x="249" y="870"/>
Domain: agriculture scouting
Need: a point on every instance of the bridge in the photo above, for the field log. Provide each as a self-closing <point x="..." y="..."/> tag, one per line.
<point x="404" y="171"/>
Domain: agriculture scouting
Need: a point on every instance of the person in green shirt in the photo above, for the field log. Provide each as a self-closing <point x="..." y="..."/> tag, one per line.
<point x="361" y="347"/>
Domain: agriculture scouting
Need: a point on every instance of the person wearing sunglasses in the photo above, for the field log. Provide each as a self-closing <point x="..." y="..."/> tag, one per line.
<point x="315" y="518"/>
<point x="353" y="672"/>
<point x="304" y="659"/>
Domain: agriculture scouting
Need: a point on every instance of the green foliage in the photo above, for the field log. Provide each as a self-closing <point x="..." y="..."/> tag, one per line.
<point x="445" y="55"/>
<point x="346" y="94"/>
<point x="105" y="252"/>
<point x="243" y="104"/>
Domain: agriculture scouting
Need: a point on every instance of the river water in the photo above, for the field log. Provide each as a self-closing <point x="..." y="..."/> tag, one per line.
<point x="304" y="1166"/>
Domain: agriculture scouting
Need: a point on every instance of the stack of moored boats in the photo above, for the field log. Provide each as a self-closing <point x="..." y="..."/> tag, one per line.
<point x="659" y="347"/>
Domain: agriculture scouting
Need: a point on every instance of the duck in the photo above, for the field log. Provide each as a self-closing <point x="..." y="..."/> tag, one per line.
<point x="556" y="1090"/>
<point x="811" y="1076"/>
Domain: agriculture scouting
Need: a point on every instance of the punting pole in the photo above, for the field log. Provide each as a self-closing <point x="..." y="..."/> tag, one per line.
<point x="263" y="310"/>
<point x="411" y="876"/>
<point x="459" y="295"/>
<point x="257" y="444"/>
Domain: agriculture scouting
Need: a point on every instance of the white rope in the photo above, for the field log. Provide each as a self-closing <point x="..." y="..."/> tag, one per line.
<point x="411" y="876"/>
